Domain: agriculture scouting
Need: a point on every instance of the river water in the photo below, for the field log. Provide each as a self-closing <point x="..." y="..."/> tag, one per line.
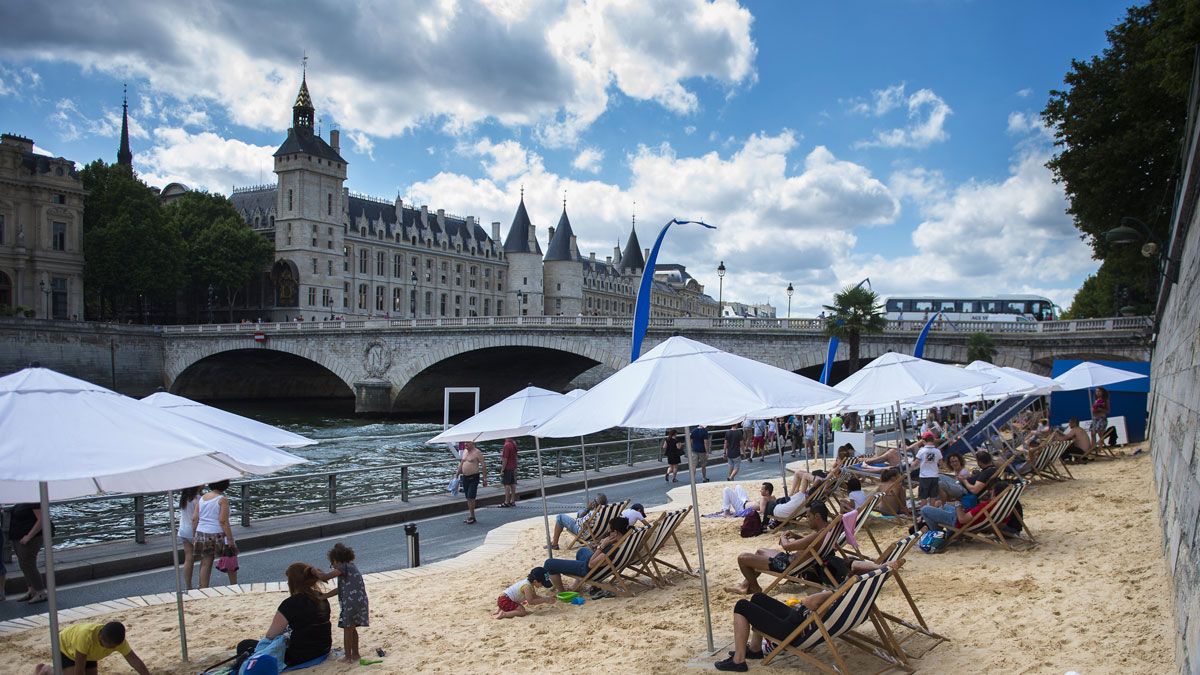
<point x="344" y="443"/>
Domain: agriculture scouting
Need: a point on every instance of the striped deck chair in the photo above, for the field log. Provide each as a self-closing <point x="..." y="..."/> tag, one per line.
<point x="1059" y="462"/>
<point x="819" y="493"/>
<point x="850" y="606"/>
<point x="986" y="525"/>
<point x="596" y="523"/>
<point x="895" y="552"/>
<point x="864" y="514"/>
<point x="661" y="532"/>
<point x="1044" y="462"/>
<point x="811" y="558"/>
<point x="610" y="574"/>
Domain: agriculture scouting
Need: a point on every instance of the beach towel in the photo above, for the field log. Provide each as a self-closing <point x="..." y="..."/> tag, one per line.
<point x="267" y="657"/>
<point x="849" y="519"/>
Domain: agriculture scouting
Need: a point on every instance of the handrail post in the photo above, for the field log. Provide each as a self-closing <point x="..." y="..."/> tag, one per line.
<point x="404" y="483"/>
<point x="245" y="487"/>
<point x="629" y="447"/>
<point x="558" y="463"/>
<point x="332" y="492"/>
<point x="139" y="519"/>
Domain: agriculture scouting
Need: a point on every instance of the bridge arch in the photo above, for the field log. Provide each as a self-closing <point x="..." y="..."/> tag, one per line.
<point x="231" y="368"/>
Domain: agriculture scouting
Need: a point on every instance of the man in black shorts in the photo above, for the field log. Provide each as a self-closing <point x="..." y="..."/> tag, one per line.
<point x="733" y="450"/>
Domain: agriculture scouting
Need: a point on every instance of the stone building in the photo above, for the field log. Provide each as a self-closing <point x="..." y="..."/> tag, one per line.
<point x="41" y="231"/>
<point x="338" y="253"/>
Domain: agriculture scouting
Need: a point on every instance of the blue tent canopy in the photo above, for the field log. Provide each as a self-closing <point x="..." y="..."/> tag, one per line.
<point x="1128" y="399"/>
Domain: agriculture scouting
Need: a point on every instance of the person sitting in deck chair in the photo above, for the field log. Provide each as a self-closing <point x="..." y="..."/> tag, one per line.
<point x="586" y="558"/>
<point x="762" y="614"/>
<point x="1081" y="442"/>
<point x="891" y="484"/>
<point x="876" y="464"/>
<point x="752" y="565"/>
<point x="978" y="480"/>
<point x="574" y="522"/>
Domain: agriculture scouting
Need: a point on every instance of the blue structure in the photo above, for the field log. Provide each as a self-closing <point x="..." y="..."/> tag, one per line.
<point x="1128" y="399"/>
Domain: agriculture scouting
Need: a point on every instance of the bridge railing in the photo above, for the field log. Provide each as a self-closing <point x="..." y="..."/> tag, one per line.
<point x="812" y="326"/>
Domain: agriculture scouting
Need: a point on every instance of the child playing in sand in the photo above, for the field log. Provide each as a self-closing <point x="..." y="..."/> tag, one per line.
<point x="351" y="593"/>
<point x="514" y="598"/>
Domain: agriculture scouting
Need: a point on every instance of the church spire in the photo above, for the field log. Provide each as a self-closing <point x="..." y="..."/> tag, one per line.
<point x="124" y="154"/>
<point x="302" y="110"/>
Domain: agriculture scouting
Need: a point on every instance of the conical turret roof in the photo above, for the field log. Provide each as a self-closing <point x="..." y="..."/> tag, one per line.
<point x="631" y="257"/>
<point x="560" y="244"/>
<point x="519" y="234"/>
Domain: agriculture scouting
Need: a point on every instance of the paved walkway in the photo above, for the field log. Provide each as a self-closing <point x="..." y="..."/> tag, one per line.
<point x="379" y="550"/>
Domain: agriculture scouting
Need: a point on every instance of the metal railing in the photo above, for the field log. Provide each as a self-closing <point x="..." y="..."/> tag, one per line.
<point x="812" y="326"/>
<point x="91" y="520"/>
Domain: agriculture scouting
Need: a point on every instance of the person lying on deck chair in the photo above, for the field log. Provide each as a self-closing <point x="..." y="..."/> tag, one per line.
<point x="802" y="483"/>
<point x="876" y="464"/>
<point x="586" y="558"/>
<point x="574" y="522"/>
<point x="763" y="615"/>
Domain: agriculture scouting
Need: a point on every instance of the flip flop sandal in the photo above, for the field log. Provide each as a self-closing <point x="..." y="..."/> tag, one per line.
<point x="469" y="521"/>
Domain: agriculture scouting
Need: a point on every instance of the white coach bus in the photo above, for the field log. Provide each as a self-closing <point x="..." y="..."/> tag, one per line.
<point x="991" y="308"/>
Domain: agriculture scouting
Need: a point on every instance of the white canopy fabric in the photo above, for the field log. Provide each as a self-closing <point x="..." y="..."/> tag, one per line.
<point x="1088" y="375"/>
<point x="82" y="439"/>
<point x="1044" y="385"/>
<point x="896" y="377"/>
<point x="683" y="382"/>
<point x="227" y="421"/>
<point x="516" y="415"/>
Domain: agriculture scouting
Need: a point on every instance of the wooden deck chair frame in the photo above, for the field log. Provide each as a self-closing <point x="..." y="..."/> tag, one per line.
<point x="860" y="525"/>
<point x="663" y="530"/>
<point x="596" y="526"/>
<point x="897" y="550"/>
<point x="851" y="605"/>
<point x="828" y="542"/>
<point x="987" y="521"/>
<point x="609" y="575"/>
<point x="819" y="493"/>
<point x="1044" y="467"/>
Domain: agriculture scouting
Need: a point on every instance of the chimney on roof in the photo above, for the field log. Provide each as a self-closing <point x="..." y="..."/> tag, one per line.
<point x="335" y="140"/>
<point x="608" y="259"/>
<point x="645" y="254"/>
<point x="399" y="208"/>
<point x="495" y="230"/>
<point x="616" y="254"/>
<point x="551" y="233"/>
<point x="592" y="256"/>
<point x="574" y="249"/>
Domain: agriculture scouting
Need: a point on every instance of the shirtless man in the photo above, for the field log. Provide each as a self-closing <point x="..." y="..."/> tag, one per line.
<point x="472" y="467"/>
<point x="1081" y="443"/>
<point x="890" y="457"/>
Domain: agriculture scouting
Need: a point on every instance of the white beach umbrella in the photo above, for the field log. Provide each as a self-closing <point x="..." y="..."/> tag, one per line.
<point x="62" y="437"/>
<point x="1088" y="375"/>
<point x="223" y="422"/>
<point x="227" y="421"/>
<point x="681" y="383"/>
<point x="1044" y="385"/>
<point x="516" y="415"/>
<point x="896" y="377"/>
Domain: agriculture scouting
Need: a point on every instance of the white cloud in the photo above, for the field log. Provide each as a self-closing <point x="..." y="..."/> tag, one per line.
<point x="18" y="82"/>
<point x="927" y="114"/>
<point x="74" y="124"/>
<point x="589" y="159"/>
<point x="203" y="160"/>
<point x="1025" y="93"/>
<point x="363" y="144"/>
<point x="689" y="130"/>
<point x="1027" y="123"/>
<point x="544" y="63"/>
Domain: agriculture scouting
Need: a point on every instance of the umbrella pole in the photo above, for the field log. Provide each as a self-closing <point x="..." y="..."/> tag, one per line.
<point x="782" y="467"/>
<point x="51" y="592"/>
<point x="537" y="443"/>
<point x="587" y="494"/>
<point x="178" y="579"/>
<point x="687" y="435"/>
<point x="907" y="469"/>
<point x="822" y="450"/>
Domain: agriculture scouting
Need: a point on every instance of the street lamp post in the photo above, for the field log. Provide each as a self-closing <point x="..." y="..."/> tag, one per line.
<point x="721" y="290"/>
<point x="790" y="290"/>
<point x="1152" y="247"/>
<point x="210" y="296"/>
<point x="413" y="300"/>
<point x="520" y="305"/>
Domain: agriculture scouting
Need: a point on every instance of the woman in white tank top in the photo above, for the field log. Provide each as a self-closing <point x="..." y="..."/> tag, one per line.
<point x="213" y="535"/>
<point x="187" y="507"/>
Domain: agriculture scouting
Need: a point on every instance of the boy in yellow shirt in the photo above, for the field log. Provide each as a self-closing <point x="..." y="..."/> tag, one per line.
<point x="82" y="645"/>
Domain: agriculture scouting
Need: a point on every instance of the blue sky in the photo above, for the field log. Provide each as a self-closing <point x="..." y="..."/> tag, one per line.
<point x="828" y="141"/>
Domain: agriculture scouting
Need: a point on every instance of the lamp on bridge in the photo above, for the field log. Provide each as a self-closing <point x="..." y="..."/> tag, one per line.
<point x="790" y="290"/>
<point x="520" y="303"/>
<point x="412" y="300"/>
<point x="721" y="290"/>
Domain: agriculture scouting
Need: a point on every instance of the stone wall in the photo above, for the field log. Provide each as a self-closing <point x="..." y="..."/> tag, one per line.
<point x="1175" y="409"/>
<point x="128" y="359"/>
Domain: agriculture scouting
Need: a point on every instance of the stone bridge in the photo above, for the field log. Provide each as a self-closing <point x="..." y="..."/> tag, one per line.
<point x="402" y="365"/>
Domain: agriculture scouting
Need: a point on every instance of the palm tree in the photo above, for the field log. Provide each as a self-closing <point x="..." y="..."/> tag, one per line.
<point x="855" y="310"/>
<point x="981" y="347"/>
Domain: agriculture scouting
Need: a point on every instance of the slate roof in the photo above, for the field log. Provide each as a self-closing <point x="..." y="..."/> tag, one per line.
<point x="631" y="257"/>
<point x="305" y="141"/>
<point x="383" y="216"/>
<point x="560" y="245"/>
<point x="254" y="202"/>
<point x="518" y="237"/>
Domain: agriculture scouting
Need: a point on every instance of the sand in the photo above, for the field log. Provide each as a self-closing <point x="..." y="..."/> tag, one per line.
<point x="1092" y="597"/>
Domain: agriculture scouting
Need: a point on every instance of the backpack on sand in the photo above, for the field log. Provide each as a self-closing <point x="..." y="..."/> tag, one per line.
<point x="752" y="525"/>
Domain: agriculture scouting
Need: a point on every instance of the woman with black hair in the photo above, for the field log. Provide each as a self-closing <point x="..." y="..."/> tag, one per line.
<point x="213" y="536"/>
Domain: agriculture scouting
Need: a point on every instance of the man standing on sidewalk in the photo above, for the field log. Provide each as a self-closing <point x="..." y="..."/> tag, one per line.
<point x="733" y="450"/>
<point x="700" y="447"/>
<point x="508" y="472"/>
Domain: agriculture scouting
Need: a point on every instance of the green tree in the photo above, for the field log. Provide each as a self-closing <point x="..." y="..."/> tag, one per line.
<point x="229" y="255"/>
<point x="133" y="259"/>
<point x="855" y="311"/>
<point x="981" y="347"/>
<point x="192" y="214"/>
<point x="1118" y="126"/>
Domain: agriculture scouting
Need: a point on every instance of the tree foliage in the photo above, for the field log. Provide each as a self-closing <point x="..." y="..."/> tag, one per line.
<point x="228" y="255"/>
<point x="855" y="311"/>
<point x="193" y="215"/>
<point x="981" y="347"/>
<point x="1118" y="126"/>
<point x="133" y="257"/>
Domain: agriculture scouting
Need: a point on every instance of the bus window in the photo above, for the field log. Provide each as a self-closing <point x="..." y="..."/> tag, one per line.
<point x="923" y="306"/>
<point x="948" y="306"/>
<point x="991" y="307"/>
<point x="1016" y="308"/>
<point x="969" y="307"/>
<point x="895" y="306"/>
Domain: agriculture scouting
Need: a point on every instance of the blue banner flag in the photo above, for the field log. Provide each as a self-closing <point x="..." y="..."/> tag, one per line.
<point x="830" y="355"/>
<point x="920" y="348"/>
<point x="641" y="310"/>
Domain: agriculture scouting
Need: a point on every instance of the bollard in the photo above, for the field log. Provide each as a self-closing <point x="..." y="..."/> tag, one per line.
<point x="245" y="504"/>
<point x="404" y="483"/>
<point x="332" y="493"/>
<point x="414" y="545"/>
<point x="139" y="519"/>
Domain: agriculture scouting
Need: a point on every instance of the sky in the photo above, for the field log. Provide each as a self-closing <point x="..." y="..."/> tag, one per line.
<point x="829" y="142"/>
